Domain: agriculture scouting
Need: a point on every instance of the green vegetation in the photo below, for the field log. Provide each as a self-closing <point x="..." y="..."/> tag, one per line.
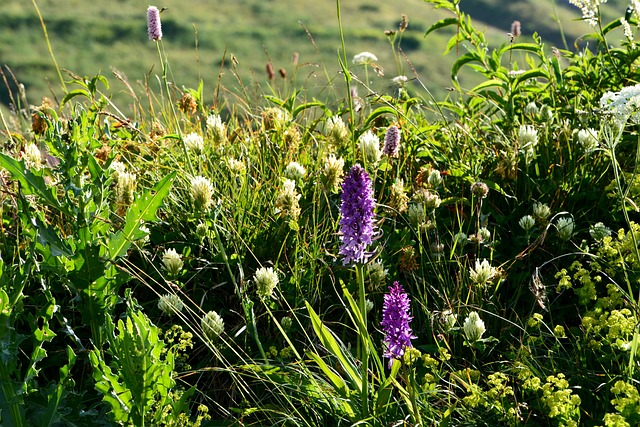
<point x="214" y="251"/>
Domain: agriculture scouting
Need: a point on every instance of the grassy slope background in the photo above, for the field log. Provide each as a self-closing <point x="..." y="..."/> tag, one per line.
<point x="90" y="38"/>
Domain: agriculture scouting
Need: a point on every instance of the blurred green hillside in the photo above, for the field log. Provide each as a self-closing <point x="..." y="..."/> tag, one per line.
<point x="201" y="37"/>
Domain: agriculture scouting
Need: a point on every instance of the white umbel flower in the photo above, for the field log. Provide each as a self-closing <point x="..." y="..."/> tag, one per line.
<point x="364" y="58"/>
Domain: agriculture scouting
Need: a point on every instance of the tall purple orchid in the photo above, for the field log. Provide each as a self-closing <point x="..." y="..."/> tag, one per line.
<point x="356" y="224"/>
<point x="395" y="322"/>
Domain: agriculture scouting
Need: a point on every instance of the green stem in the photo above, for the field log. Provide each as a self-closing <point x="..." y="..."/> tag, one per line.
<point x="15" y="414"/>
<point x="46" y="38"/>
<point x="363" y="341"/>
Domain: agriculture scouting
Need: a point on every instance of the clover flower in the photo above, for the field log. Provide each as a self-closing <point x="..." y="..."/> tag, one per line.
<point x="287" y="200"/>
<point x="337" y="130"/>
<point x="480" y="189"/>
<point x="370" y="145"/>
<point x="541" y="211"/>
<point x="332" y="172"/>
<point x="588" y="139"/>
<point x="482" y="273"/>
<point x="599" y="231"/>
<point x="400" y="80"/>
<point x="32" y="156"/>
<point x="295" y="171"/>
<point x="434" y="179"/>
<point x="154" y="26"/>
<point x="217" y="128"/>
<point x="172" y="261"/>
<point x="266" y="281"/>
<point x="194" y="142"/>
<point x="201" y="192"/>
<point x="356" y="209"/>
<point x="125" y="188"/>
<point x="528" y="139"/>
<point x="399" y="200"/>
<point x="527" y="222"/>
<point x="212" y="325"/>
<point x="565" y="228"/>
<point x="391" y="141"/>
<point x="170" y="304"/>
<point x="396" y="317"/>
<point x="473" y="327"/>
<point x="364" y="58"/>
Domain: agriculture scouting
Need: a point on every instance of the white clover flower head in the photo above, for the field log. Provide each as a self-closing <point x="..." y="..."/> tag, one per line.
<point x="599" y="231"/>
<point x="125" y="188"/>
<point x="201" y="192"/>
<point x="266" y="281"/>
<point x="364" y="58"/>
<point x="527" y="222"/>
<point x="435" y="178"/>
<point x="333" y="171"/>
<point x="431" y="200"/>
<point x="295" y="171"/>
<point x="460" y="239"/>
<point x="32" y="156"/>
<point x="194" y="142"/>
<point x="541" y="211"/>
<point x="527" y="136"/>
<point x="588" y="139"/>
<point x="236" y="166"/>
<point x="170" y="304"/>
<point x="473" y="327"/>
<point x="482" y="273"/>
<point x="531" y="109"/>
<point x="172" y="262"/>
<point x="337" y="129"/>
<point x="287" y="200"/>
<point x="202" y="230"/>
<point x="368" y="305"/>
<point x="565" y="227"/>
<point x="480" y="189"/>
<point x="212" y="325"/>
<point x="484" y="234"/>
<point x="370" y="146"/>
<point x="417" y="215"/>
<point x="116" y="169"/>
<point x="217" y="127"/>
<point x="449" y="319"/>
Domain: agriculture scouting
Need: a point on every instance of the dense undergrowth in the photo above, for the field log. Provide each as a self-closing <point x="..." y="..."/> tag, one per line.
<point x="189" y="262"/>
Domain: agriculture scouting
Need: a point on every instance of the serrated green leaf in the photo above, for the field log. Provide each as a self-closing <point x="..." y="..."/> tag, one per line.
<point x="142" y="210"/>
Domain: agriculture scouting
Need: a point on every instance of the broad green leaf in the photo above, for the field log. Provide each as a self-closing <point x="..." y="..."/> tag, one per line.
<point x="379" y="112"/>
<point x="463" y="60"/>
<point x="143" y="209"/>
<point x="335" y="379"/>
<point x="441" y="24"/>
<point x="31" y="184"/>
<point x="331" y="344"/>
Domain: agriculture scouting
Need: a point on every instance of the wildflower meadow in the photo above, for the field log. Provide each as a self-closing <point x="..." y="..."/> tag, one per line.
<point x="359" y="254"/>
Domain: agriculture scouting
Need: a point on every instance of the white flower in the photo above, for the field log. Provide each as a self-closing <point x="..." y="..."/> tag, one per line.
<point x="170" y="304"/>
<point x="287" y="200"/>
<point x="434" y="179"/>
<point x="266" y="281"/>
<point x="194" y="142"/>
<point x="460" y="239"/>
<point x="400" y="80"/>
<point x="541" y="211"/>
<point x="417" y="215"/>
<point x="527" y="222"/>
<point x="32" y="156"/>
<point x="449" y="319"/>
<point x="295" y="171"/>
<point x="531" y="109"/>
<point x="565" y="228"/>
<point x="172" y="261"/>
<point x="217" y="127"/>
<point x="599" y="231"/>
<point x="473" y="327"/>
<point x="337" y="129"/>
<point x="623" y="105"/>
<point x="527" y="136"/>
<point x="333" y="171"/>
<point x="125" y="188"/>
<point x="589" y="9"/>
<point x="236" y="166"/>
<point x="364" y="58"/>
<point x="588" y="139"/>
<point x="212" y="325"/>
<point x="370" y="145"/>
<point x="484" y="233"/>
<point x="482" y="273"/>
<point x="201" y="192"/>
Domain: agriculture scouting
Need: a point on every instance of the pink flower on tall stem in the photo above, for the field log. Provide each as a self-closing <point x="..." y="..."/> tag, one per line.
<point x="153" y="23"/>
